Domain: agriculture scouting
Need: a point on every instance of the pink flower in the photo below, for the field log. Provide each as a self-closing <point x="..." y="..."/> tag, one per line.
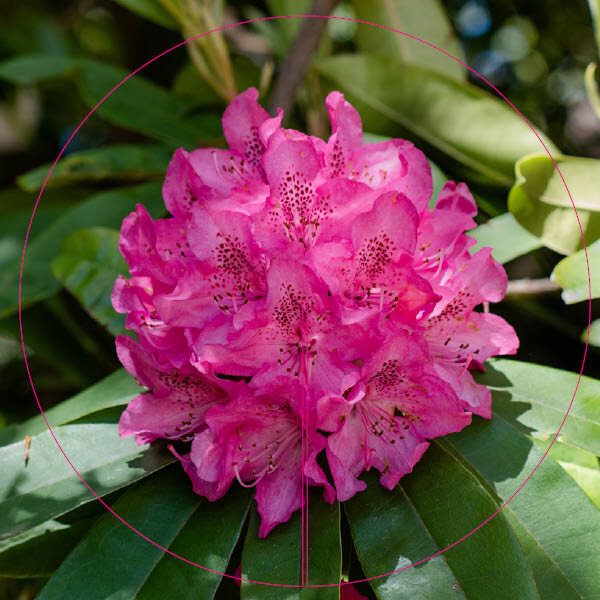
<point x="303" y="295"/>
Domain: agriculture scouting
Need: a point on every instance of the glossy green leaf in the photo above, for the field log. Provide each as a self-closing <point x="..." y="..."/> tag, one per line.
<point x="27" y="69"/>
<point x="125" y="163"/>
<point x="535" y="399"/>
<point x="114" y="562"/>
<point x="107" y="209"/>
<point x="39" y="551"/>
<point x="426" y="513"/>
<point x="506" y="237"/>
<point x="552" y="516"/>
<point x="426" y="19"/>
<point x="46" y="486"/>
<point x="594" y="333"/>
<point x="571" y="273"/>
<point x="581" y="465"/>
<point x="153" y="10"/>
<point x="207" y="539"/>
<point x="389" y="535"/>
<point x="143" y="106"/>
<point x="540" y="203"/>
<point x="277" y="558"/>
<point x="459" y="119"/>
<point x="115" y="390"/>
<point x="88" y="263"/>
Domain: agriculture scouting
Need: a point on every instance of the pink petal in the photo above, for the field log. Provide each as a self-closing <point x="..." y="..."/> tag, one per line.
<point x="183" y="187"/>
<point x="241" y="123"/>
<point x="346" y="133"/>
<point x="177" y="401"/>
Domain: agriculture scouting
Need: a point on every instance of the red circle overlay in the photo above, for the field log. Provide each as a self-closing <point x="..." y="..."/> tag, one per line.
<point x="268" y="19"/>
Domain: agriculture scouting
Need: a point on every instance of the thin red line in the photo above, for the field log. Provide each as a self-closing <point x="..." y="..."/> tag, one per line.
<point x="302" y="427"/>
<point x="224" y="27"/>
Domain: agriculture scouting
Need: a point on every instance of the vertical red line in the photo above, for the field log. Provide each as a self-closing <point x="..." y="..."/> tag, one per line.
<point x="302" y="410"/>
<point x="305" y="448"/>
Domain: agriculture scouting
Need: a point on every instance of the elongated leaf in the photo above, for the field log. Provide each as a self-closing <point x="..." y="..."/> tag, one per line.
<point x="278" y="558"/>
<point x="125" y="162"/>
<point x="489" y="564"/>
<point x="139" y="104"/>
<point x="207" y="539"/>
<point x="39" y="551"/>
<point x="540" y="203"/>
<point x="461" y="120"/>
<point x="389" y="535"/>
<point x="88" y="264"/>
<point x="114" y="562"/>
<point x="506" y="237"/>
<point x="535" y="399"/>
<point x="581" y="465"/>
<point x="427" y="20"/>
<point x="46" y="486"/>
<point x="105" y="209"/>
<point x="115" y="390"/>
<point x="587" y="478"/>
<point x="552" y="516"/>
<point x="153" y="10"/>
<point x="145" y="107"/>
<point x="28" y="69"/>
<point x="571" y="273"/>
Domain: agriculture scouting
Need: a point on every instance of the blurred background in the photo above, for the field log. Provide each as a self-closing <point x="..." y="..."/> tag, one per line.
<point x="535" y="51"/>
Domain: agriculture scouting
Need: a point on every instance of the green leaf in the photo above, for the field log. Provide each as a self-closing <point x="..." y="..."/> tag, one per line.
<point x="153" y="10"/>
<point x="138" y="104"/>
<point x="208" y="539"/>
<point x="587" y="478"/>
<point x="88" y="264"/>
<point x="571" y="273"/>
<point x="426" y="513"/>
<point x="115" y="390"/>
<point x="540" y="203"/>
<point x="594" y="333"/>
<point x="46" y="486"/>
<point x="145" y="107"/>
<point x="39" y="551"/>
<point x="378" y="516"/>
<point x="582" y="466"/>
<point x="114" y="562"/>
<point x="277" y="558"/>
<point x="552" y="516"/>
<point x="124" y="162"/>
<point x="106" y="209"/>
<point x="459" y="119"/>
<point x="28" y="69"/>
<point x="506" y="237"/>
<point x="535" y="399"/>
<point x="426" y="19"/>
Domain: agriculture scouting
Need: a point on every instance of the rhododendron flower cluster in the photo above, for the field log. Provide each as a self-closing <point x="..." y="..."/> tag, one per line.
<point x="303" y="315"/>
